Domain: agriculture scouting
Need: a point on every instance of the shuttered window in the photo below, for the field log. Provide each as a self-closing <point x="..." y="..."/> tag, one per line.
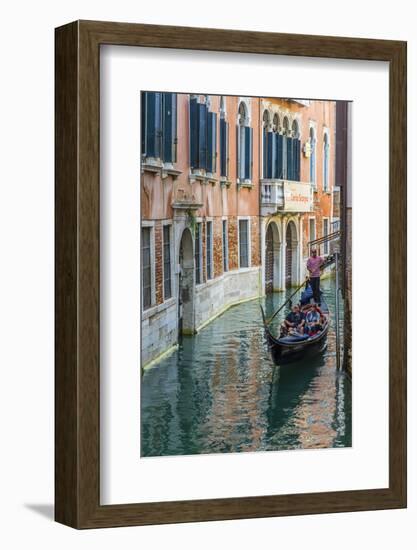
<point x="224" y="148"/>
<point x="248" y="152"/>
<point x="279" y="165"/>
<point x="146" y="268"/>
<point x="169" y="127"/>
<point x="325" y="163"/>
<point x="243" y="243"/>
<point x="244" y="141"/>
<point x="270" y="145"/>
<point x="297" y="159"/>
<point x="167" y="262"/>
<point x="312" y="157"/>
<point x="209" y="249"/>
<point x="211" y="142"/>
<point x="194" y="117"/>
<point x="284" y="157"/>
<point x="151" y="103"/>
<point x="159" y="125"/>
<point x="290" y="158"/>
<point x="203" y="137"/>
<point x="197" y="253"/>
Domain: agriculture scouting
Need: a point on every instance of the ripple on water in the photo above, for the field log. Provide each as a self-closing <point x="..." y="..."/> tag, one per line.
<point x="220" y="392"/>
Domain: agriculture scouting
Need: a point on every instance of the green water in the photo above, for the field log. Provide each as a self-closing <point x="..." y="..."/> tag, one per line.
<point x="221" y="393"/>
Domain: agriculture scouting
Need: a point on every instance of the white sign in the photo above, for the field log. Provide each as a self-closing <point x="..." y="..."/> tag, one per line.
<point x="297" y="197"/>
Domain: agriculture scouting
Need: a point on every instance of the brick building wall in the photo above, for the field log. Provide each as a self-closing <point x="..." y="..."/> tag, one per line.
<point x="159" y="265"/>
<point x="233" y="243"/>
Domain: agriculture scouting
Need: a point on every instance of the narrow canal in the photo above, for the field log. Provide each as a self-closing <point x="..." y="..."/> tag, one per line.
<point x="221" y="393"/>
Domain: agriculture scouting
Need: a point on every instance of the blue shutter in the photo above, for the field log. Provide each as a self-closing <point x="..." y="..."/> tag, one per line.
<point x="174" y="127"/>
<point x="143" y="118"/>
<point x="274" y="155"/>
<point x="270" y="141"/>
<point x="284" y="157"/>
<point x="290" y="174"/>
<point x="153" y="124"/>
<point x="222" y="146"/>
<point x="298" y="157"/>
<point x="248" y="152"/>
<point x="168" y="137"/>
<point x="278" y="157"/>
<point x="211" y="142"/>
<point x="193" y="133"/>
<point x="202" y="136"/>
<point x="265" y="151"/>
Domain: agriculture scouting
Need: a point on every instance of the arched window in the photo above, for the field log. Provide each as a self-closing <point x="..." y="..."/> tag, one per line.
<point x="244" y="145"/>
<point x="277" y="148"/>
<point x="266" y="145"/>
<point x="326" y="147"/>
<point x="312" y="156"/>
<point x="285" y="148"/>
<point x="294" y="166"/>
<point x="275" y="123"/>
<point x="224" y="140"/>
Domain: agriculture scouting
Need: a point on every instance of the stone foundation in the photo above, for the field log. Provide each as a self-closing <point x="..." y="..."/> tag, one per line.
<point x="159" y="330"/>
<point x="218" y="294"/>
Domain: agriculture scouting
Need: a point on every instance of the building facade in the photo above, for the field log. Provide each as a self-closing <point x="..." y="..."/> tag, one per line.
<point x="297" y="186"/>
<point x="199" y="211"/>
<point x="232" y="190"/>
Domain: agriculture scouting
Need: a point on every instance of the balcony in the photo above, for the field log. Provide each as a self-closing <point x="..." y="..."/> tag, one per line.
<point x="285" y="196"/>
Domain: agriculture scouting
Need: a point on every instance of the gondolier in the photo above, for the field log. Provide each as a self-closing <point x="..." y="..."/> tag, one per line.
<point x="314" y="264"/>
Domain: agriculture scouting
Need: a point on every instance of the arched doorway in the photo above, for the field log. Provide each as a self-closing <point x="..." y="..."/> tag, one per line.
<point x="272" y="254"/>
<point x="291" y="255"/>
<point x="186" y="285"/>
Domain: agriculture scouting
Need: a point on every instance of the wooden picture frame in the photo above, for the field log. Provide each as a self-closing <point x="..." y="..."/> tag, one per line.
<point x="77" y="405"/>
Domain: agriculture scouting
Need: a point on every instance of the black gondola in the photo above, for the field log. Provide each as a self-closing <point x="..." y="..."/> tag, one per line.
<point x="290" y="348"/>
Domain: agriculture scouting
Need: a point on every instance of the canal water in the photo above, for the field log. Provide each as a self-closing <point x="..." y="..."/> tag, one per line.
<point x="221" y="393"/>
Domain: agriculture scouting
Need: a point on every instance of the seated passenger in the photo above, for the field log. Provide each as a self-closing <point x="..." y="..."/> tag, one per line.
<point x="294" y="321"/>
<point x="313" y="320"/>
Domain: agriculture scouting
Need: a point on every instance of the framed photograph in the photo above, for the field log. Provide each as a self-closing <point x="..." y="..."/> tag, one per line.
<point x="230" y="274"/>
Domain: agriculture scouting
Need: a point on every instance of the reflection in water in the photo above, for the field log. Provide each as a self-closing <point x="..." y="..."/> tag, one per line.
<point x="221" y="393"/>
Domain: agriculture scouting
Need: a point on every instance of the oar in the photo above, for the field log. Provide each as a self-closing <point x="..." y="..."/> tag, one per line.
<point x="286" y="301"/>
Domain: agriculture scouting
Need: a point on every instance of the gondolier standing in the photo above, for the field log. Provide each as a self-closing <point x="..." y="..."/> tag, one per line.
<point x="313" y="265"/>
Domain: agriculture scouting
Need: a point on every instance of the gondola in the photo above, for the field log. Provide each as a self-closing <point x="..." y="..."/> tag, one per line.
<point x="289" y="348"/>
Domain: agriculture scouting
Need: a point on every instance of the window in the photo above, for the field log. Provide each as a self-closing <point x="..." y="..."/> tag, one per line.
<point x="312" y="229"/>
<point x="243" y="243"/>
<point x="296" y="152"/>
<point x="244" y="145"/>
<point x="209" y="245"/>
<point x="159" y="125"/>
<point x="278" y="171"/>
<point x="286" y="151"/>
<point x="224" y="148"/>
<point x="146" y="268"/>
<point x="203" y="137"/>
<point x="197" y="253"/>
<point x="312" y="156"/>
<point x="167" y="262"/>
<point x="325" y="233"/>
<point x="225" y="247"/>
<point x="266" y="146"/>
<point x="326" y="148"/>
